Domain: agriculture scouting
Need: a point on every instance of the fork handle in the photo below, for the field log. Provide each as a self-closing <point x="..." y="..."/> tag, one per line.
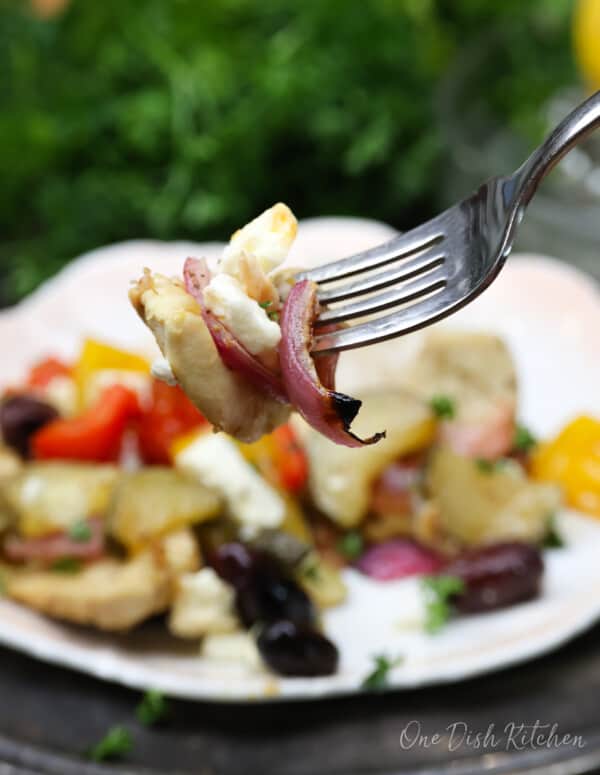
<point x="575" y="127"/>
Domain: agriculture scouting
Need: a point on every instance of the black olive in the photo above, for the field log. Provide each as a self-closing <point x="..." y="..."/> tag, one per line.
<point x="233" y="562"/>
<point x="20" y="417"/>
<point x="289" y="649"/>
<point x="269" y="595"/>
<point x="496" y="576"/>
<point x="265" y="591"/>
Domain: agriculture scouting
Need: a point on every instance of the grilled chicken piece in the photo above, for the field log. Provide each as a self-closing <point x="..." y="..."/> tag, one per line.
<point x="110" y="594"/>
<point x="225" y="398"/>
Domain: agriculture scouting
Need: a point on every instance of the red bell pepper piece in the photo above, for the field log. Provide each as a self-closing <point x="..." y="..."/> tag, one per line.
<point x="95" y="435"/>
<point x="46" y="370"/>
<point x="290" y="459"/>
<point x="171" y="414"/>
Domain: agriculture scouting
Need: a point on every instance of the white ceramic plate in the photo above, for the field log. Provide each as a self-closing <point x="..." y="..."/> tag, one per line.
<point x="550" y="316"/>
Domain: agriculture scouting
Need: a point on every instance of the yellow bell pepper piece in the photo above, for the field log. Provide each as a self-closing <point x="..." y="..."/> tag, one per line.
<point x="96" y="357"/>
<point x="573" y="460"/>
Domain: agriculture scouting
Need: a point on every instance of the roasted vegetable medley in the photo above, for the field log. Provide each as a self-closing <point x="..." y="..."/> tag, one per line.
<point x="118" y="502"/>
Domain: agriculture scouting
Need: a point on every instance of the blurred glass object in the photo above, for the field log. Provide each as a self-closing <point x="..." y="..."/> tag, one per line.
<point x="586" y="39"/>
<point x="563" y="219"/>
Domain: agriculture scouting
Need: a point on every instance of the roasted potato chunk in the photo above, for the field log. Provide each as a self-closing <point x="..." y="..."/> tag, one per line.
<point x="50" y="497"/>
<point x="476" y="374"/>
<point x="483" y="503"/>
<point x="341" y="477"/>
<point x="155" y="501"/>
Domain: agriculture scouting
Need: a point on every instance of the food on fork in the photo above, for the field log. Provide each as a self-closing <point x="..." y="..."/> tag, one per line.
<point x="238" y="339"/>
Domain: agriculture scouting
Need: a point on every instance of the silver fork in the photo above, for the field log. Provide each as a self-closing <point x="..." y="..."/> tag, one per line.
<point x="438" y="267"/>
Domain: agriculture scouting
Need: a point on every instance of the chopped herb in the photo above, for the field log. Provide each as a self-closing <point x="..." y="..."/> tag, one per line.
<point x="274" y="316"/>
<point x="490" y="466"/>
<point x="377" y="679"/>
<point x="351" y="545"/>
<point x="523" y="440"/>
<point x="153" y="707"/>
<point x="265" y="304"/>
<point x="80" y="531"/>
<point x="485" y="466"/>
<point x="311" y="571"/>
<point x="438" y="591"/>
<point x="443" y="407"/>
<point x="113" y="745"/>
<point x="553" y="539"/>
<point x="66" y="565"/>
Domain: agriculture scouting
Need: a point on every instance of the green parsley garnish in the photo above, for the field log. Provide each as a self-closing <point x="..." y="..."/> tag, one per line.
<point x="438" y="591"/>
<point x="351" y="545"/>
<point x="271" y="315"/>
<point x="553" y="539"/>
<point x="153" y="707"/>
<point x="113" y="745"/>
<point x="443" y="407"/>
<point x="490" y="466"/>
<point x="523" y="440"/>
<point x="66" y="565"/>
<point x="311" y="571"/>
<point x="377" y="679"/>
<point x="485" y="466"/>
<point x="80" y="531"/>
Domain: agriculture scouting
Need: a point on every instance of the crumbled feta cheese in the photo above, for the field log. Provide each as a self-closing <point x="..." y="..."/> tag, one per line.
<point x="268" y="237"/>
<point x="243" y="316"/>
<point x="161" y="369"/>
<point x="203" y="604"/>
<point x="61" y="392"/>
<point x="219" y="463"/>
<point x="239" y="647"/>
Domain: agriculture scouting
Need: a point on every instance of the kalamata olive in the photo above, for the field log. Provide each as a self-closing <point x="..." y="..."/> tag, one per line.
<point x="496" y="576"/>
<point x="265" y="591"/>
<point x="270" y="595"/>
<point x="20" y="417"/>
<point x="234" y="562"/>
<point x="292" y="650"/>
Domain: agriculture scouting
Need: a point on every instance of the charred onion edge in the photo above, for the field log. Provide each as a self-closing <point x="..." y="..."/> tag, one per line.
<point x="57" y="545"/>
<point x="234" y="355"/>
<point x="328" y="411"/>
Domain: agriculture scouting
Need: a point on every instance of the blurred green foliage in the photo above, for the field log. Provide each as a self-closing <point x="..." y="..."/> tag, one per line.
<point x="183" y="118"/>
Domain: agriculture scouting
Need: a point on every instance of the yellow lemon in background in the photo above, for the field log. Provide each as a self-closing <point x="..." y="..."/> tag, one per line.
<point x="586" y="33"/>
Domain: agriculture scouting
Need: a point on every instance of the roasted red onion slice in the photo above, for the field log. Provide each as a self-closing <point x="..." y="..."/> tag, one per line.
<point x="48" y="549"/>
<point x="326" y="365"/>
<point x="330" y="412"/>
<point x="397" y="559"/>
<point x="234" y="355"/>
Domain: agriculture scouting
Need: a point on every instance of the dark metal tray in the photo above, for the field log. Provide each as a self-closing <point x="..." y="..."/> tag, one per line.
<point x="49" y="716"/>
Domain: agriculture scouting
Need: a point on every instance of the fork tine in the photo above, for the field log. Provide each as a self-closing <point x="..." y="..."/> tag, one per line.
<point x="406" y="269"/>
<point x="400" y="294"/>
<point x="404" y="245"/>
<point x="404" y="321"/>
